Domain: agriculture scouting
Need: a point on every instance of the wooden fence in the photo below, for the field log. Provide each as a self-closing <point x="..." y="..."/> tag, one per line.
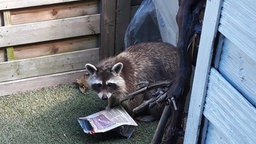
<point x="45" y="43"/>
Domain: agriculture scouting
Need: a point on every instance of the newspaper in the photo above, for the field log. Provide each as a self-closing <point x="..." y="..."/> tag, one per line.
<point x="116" y="118"/>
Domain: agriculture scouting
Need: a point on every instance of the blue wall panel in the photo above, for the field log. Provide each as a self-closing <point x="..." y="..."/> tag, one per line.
<point x="229" y="112"/>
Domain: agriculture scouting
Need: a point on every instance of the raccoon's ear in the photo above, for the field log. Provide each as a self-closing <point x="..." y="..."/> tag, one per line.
<point x="91" y="69"/>
<point x="117" y="68"/>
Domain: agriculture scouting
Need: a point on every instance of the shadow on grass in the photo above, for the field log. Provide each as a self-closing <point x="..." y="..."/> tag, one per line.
<point x="49" y="116"/>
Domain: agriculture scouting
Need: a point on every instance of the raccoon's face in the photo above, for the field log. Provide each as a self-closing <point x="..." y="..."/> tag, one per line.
<point x="105" y="82"/>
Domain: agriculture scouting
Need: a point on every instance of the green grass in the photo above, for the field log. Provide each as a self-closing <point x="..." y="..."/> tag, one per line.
<point x="49" y="116"/>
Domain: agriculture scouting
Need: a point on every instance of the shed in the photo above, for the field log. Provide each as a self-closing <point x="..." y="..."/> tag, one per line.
<point x="222" y="105"/>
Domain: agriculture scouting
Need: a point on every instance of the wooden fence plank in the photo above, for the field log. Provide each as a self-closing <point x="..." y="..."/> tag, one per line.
<point x="136" y="2"/>
<point x="14" y="4"/>
<point x="12" y="87"/>
<point x="19" y="69"/>
<point x="65" y="10"/>
<point x="108" y="20"/>
<point x="1" y="18"/>
<point x="209" y="30"/>
<point x="55" y="47"/>
<point x="239" y="69"/>
<point x="2" y="52"/>
<point x="122" y="21"/>
<point x="229" y="112"/>
<point x="2" y="55"/>
<point x="49" y="30"/>
<point x="7" y="21"/>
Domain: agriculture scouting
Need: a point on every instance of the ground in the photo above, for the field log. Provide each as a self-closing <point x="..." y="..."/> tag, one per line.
<point x="49" y="116"/>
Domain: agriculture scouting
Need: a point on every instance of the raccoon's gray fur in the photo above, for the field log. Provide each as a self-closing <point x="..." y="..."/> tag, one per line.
<point x="116" y="77"/>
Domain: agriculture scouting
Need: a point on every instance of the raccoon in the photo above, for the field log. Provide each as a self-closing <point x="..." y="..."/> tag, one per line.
<point x="115" y="77"/>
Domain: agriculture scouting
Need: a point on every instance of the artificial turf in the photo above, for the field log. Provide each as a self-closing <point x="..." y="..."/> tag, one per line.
<point x="49" y="116"/>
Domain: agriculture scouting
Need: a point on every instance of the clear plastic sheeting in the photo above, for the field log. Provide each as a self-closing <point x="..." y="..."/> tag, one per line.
<point x="166" y="15"/>
<point x="154" y="21"/>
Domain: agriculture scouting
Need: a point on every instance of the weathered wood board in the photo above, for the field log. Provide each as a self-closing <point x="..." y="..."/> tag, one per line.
<point x="229" y="112"/>
<point x="49" y="30"/>
<point x="136" y="2"/>
<point x="51" y="41"/>
<point x="12" y="87"/>
<point x="1" y="19"/>
<point x="122" y="21"/>
<point x="51" y="12"/>
<point x="108" y="27"/>
<point x="26" y="68"/>
<point x="14" y="4"/>
<point x="2" y="55"/>
<point x="55" y="47"/>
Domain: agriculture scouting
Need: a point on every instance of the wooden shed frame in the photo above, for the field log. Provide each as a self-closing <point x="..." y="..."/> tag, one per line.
<point x="219" y="109"/>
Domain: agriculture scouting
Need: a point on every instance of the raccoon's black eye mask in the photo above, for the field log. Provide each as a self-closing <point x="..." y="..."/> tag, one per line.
<point x="112" y="86"/>
<point x="96" y="87"/>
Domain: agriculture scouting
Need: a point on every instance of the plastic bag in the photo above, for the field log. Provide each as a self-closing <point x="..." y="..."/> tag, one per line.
<point x="154" y="21"/>
<point x="144" y="26"/>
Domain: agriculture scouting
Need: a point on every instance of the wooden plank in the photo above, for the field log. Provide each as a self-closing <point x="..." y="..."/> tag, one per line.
<point x="2" y="52"/>
<point x="49" y="30"/>
<point x="65" y="10"/>
<point x="20" y="69"/>
<point x="12" y="87"/>
<point x="229" y="112"/>
<point x="122" y="21"/>
<point x="136" y="2"/>
<point x="237" y="23"/>
<point x="218" y="50"/>
<point x="2" y="55"/>
<point x="7" y="21"/>
<point x="15" y="4"/>
<point x="108" y="20"/>
<point x="204" y="131"/>
<point x="209" y="30"/>
<point x="56" y="47"/>
<point x="1" y="18"/>
<point x="239" y="69"/>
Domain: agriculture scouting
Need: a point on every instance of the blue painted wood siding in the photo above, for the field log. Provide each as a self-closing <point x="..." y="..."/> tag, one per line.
<point x="231" y="93"/>
<point x="239" y="69"/>
<point x="238" y="61"/>
<point x="231" y="117"/>
<point x="226" y="98"/>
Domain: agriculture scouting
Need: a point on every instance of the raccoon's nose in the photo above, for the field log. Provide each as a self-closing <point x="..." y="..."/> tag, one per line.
<point x="104" y="97"/>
